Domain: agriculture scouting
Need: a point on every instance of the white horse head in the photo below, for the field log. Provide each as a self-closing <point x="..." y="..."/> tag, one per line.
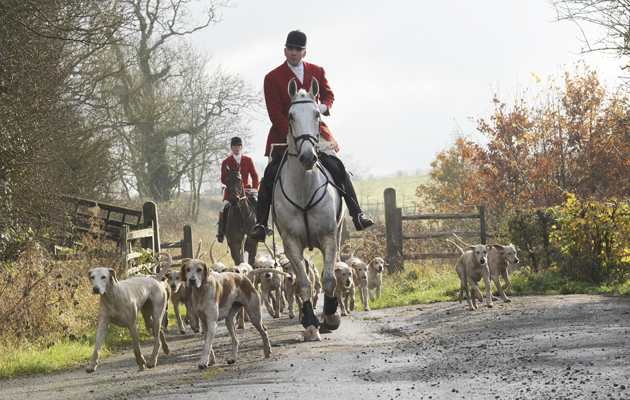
<point x="304" y="123"/>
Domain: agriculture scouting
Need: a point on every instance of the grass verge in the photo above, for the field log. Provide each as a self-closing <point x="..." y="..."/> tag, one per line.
<point x="417" y="284"/>
<point x="68" y="354"/>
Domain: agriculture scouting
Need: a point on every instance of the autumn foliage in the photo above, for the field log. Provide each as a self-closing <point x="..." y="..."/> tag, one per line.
<point x="569" y="138"/>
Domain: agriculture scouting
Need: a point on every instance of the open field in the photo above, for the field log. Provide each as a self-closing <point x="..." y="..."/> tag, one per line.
<point x="371" y="192"/>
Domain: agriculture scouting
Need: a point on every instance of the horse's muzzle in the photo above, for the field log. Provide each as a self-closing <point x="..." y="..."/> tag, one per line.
<point x="308" y="160"/>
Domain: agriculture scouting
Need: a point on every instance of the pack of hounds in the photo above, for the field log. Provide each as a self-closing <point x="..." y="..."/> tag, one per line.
<point x="215" y="292"/>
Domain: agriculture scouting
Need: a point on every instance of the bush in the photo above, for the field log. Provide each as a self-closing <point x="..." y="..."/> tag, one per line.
<point x="593" y="239"/>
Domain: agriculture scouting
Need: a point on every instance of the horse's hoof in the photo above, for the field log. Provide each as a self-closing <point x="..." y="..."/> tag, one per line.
<point x="506" y="300"/>
<point x="311" y="334"/>
<point x="331" y="322"/>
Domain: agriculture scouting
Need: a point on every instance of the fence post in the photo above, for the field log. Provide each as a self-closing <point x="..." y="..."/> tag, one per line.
<point x="345" y="234"/>
<point x="187" y="244"/>
<point x="149" y="214"/>
<point x="394" y="252"/>
<point x="482" y="223"/>
<point x="124" y="247"/>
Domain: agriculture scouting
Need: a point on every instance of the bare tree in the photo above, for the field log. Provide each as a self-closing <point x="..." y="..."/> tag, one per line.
<point x="155" y="99"/>
<point x="611" y="15"/>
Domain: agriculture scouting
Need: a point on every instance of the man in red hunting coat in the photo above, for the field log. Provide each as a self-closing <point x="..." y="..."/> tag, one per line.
<point x="247" y="170"/>
<point x="278" y="103"/>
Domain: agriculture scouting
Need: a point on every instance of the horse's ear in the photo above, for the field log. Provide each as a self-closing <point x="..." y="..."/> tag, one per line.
<point x="292" y="87"/>
<point x="314" y="87"/>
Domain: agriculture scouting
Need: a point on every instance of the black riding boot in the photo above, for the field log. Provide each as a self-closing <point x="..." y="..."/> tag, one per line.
<point x="361" y="220"/>
<point x="342" y="179"/>
<point x="259" y="231"/>
<point x="222" y="223"/>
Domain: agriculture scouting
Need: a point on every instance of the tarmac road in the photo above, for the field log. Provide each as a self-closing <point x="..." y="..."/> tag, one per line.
<point x="536" y="347"/>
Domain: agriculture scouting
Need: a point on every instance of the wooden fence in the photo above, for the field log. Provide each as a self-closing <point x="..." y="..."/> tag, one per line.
<point x="126" y="225"/>
<point x="395" y="235"/>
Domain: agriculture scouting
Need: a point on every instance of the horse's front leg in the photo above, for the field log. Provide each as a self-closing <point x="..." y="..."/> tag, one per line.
<point x="309" y="320"/>
<point x="332" y="319"/>
<point x="235" y="250"/>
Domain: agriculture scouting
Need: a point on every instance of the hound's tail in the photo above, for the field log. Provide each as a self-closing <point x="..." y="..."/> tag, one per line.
<point x="164" y="270"/>
<point x="456" y="245"/>
<point x="461" y="242"/>
<point x="211" y="254"/>
<point x="199" y="253"/>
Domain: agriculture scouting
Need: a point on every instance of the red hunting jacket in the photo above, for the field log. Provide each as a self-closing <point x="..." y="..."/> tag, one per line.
<point x="247" y="170"/>
<point x="278" y="101"/>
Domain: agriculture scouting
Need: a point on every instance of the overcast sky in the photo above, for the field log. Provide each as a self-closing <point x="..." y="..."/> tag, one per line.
<point x="406" y="74"/>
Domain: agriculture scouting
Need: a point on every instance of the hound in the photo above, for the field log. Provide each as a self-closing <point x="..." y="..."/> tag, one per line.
<point x="344" y="290"/>
<point x="119" y="304"/>
<point x="471" y="268"/>
<point x="360" y="277"/>
<point x="375" y="277"/>
<point x="499" y="258"/>
<point x="180" y="292"/>
<point x="220" y="296"/>
<point x="270" y="283"/>
<point x="290" y="288"/>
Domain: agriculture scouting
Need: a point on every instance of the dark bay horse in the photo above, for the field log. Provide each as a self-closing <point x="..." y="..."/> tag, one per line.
<point x="240" y="219"/>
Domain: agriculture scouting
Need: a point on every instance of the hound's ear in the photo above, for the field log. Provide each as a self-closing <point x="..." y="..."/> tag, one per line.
<point x="337" y="269"/>
<point x="314" y="87"/>
<point x="472" y="248"/>
<point x="498" y="247"/>
<point x="206" y="270"/>
<point x="354" y="274"/>
<point x="112" y="275"/>
<point x="292" y="87"/>
<point x="489" y="247"/>
<point x="183" y="271"/>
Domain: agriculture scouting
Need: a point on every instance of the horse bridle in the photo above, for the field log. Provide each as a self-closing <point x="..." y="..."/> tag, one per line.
<point x="314" y="140"/>
<point x="238" y="190"/>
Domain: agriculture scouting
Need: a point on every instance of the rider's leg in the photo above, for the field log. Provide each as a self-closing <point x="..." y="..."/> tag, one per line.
<point x="222" y="222"/>
<point x="265" y="190"/>
<point x="342" y="179"/>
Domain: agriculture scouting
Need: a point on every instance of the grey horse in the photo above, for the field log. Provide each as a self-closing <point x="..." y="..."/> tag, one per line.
<point x="308" y="209"/>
